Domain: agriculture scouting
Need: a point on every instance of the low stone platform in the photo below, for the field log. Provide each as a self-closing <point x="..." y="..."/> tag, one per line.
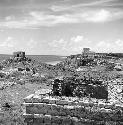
<point x="42" y="109"/>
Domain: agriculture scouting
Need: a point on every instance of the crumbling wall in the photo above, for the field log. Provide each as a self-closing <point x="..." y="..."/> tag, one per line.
<point x="19" y="54"/>
<point x="42" y="109"/>
<point x="80" y="87"/>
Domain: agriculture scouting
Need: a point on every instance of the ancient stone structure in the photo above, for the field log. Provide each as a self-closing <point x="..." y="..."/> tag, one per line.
<point x="19" y="54"/>
<point x="42" y="109"/>
<point x="86" y="50"/>
<point x="87" y="53"/>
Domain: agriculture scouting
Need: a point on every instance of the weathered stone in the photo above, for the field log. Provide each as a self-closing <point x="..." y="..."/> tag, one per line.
<point x="47" y="119"/>
<point x="38" y="121"/>
<point x="28" y="116"/>
<point x="36" y="109"/>
<point x="53" y="100"/>
<point x="47" y="109"/>
<point x="70" y="110"/>
<point x="65" y="111"/>
<point x="62" y="102"/>
<point x="66" y="121"/>
<point x="62" y="111"/>
<point x="29" y="99"/>
<point x="56" y="120"/>
<point x="55" y="109"/>
<point x="45" y="100"/>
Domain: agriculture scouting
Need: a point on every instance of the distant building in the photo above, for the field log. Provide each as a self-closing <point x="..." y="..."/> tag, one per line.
<point x="86" y="50"/>
<point x="19" y="54"/>
<point x="87" y="53"/>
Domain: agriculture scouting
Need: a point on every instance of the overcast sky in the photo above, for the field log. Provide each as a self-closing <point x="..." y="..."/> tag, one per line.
<point x="61" y="27"/>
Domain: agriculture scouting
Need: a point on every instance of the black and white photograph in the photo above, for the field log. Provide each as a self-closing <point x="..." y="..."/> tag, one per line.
<point x="61" y="62"/>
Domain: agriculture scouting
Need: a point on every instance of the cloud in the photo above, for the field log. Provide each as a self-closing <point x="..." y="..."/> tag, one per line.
<point x="37" y="19"/>
<point x="58" y="8"/>
<point x="109" y="46"/>
<point x="75" y="45"/>
<point x="31" y="44"/>
<point x="61" y="43"/>
<point x="8" y="43"/>
<point x="77" y="39"/>
<point x="95" y="16"/>
<point x="72" y="45"/>
<point x="101" y="16"/>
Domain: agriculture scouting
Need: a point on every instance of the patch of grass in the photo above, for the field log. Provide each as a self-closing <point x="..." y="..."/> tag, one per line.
<point x="14" y="96"/>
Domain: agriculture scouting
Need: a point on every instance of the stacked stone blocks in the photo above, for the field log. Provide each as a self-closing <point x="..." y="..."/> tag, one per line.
<point x="42" y="109"/>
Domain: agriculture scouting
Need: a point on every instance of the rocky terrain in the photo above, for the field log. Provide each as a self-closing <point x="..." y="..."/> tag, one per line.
<point x="20" y="78"/>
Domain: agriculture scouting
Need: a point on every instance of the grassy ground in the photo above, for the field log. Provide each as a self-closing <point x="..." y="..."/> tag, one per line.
<point x="14" y="96"/>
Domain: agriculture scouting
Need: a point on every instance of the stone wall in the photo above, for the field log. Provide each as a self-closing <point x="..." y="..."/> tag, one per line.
<point x="19" y="54"/>
<point x="46" y="110"/>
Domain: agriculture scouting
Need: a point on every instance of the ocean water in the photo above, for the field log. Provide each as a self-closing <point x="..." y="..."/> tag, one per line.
<point x="53" y="62"/>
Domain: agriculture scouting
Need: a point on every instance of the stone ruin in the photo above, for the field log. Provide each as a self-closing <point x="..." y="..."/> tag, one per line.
<point x="43" y="109"/>
<point x="19" y="54"/>
<point x="80" y="87"/>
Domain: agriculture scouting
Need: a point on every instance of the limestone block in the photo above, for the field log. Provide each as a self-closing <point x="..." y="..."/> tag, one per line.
<point x="47" y="119"/>
<point x="56" y="120"/>
<point x="80" y="112"/>
<point x="62" y="111"/>
<point x="108" y="106"/>
<point x="87" y="122"/>
<point x="86" y="104"/>
<point x="35" y="109"/>
<point x="28" y="116"/>
<point x="62" y="102"/>
<point x="28" y="99"/>
<point x="101" y="105"/>
<point x="28" y="104"/>
<point x="70" y="110"/>
<point x="70" y="102"/>
<point x="29" y="121"/>
<point x="43" y="91"/>
<point x="74" y="120"/>
<point x="55" y="110"/>
<point x="53" y="100"/>
<point x="38" y="121"/>
<point x="47" y="109"/>
<point x="81" y="103"/>
<point x="36" y="99"/>
<point x="38" y="116"/>
<point x="66" y="121"/>
<point x="45" y="99"/>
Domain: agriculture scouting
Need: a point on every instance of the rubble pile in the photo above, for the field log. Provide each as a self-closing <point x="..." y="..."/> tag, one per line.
<point x="115" y="91"/>
<point x="45" y="109"/>
<point x="4" y="84"/>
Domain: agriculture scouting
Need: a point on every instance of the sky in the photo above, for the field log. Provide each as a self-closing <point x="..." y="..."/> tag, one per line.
<point x="61" y="27"/>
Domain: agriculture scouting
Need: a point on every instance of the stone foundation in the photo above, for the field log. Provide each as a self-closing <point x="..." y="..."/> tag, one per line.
<point x="46" y="110"/>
